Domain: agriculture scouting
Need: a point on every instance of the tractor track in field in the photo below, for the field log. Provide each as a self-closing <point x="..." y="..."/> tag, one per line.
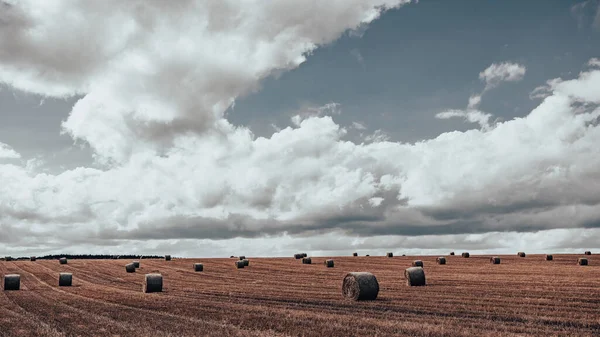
<point x="119" y="310"/>
<point x="282" y="297"/>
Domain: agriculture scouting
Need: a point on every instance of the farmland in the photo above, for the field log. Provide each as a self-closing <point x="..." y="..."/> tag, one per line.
<point x="283" y="297"/>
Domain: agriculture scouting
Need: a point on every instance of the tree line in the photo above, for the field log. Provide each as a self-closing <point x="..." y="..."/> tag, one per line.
<point x="84" y="257"/>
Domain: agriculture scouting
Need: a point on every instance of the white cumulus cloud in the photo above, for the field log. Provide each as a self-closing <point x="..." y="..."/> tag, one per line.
<point x="150" y="71"/>
<point x="7" y="152"/>
<point x="502" y="72"/>
<point x="155" y="79"/>
<point x="358" y="126"/>
<point x="474" y="101"/>
<point x="472" y="116"/>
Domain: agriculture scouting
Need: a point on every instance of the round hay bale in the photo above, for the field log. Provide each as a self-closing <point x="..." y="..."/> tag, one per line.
<point x="415" y="276"/>
<point x="167" y="257"/>
<point x="306" y="260"/>
<point x="465" y="254"/>
<point x="329" y="263"/>
<point x="12" y="282"/>
<point x="360" y="286"/>
<point x="582" y="261"/>
<point x="355" y="254"/>
<point x="390" y="254"/>
<point x="549" y="258"/>
<point x="417" y="263"/>
<point x="32" y="259"/>
<point x="495" y="260"/>
<point x="65" y="279"/>
<point x="451" y="253"/>
<point x="136" y="264"/>
<point x="63" y="260"/>
<point x="246" y="262"/>
<point x="198" y="267"/>
<point x="521" y="254"/>
<point x="242" y="257"/>
<point x="588" y="253"/>
<point x="153" y="283"/>
<point x="441" y="260"/>
<point x="298" y="256"/>
<point x="130" y="268"/>
<point x="239" y="264"/>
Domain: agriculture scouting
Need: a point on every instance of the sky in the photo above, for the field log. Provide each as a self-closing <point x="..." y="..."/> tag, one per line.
<point x="210" y="129"/>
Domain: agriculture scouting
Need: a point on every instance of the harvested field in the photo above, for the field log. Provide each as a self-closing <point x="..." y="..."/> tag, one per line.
<point x="281" y="297"/>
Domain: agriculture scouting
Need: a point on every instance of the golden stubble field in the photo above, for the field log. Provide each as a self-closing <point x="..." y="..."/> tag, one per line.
<point x="283" y="297"/>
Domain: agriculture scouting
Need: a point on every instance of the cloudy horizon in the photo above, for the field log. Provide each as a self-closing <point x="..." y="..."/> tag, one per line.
<point x="218" y="128"/>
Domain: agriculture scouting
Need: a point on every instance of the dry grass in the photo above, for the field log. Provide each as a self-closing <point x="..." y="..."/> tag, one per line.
<point x="415" y="276"/>
<point x="12" y="282"/>
<point x="360" y="286"/>
<point x="281" y="297"/>
<point x="65" y="279"/>
<point x="130" y="268"/>
<point x="153" y="283"/>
